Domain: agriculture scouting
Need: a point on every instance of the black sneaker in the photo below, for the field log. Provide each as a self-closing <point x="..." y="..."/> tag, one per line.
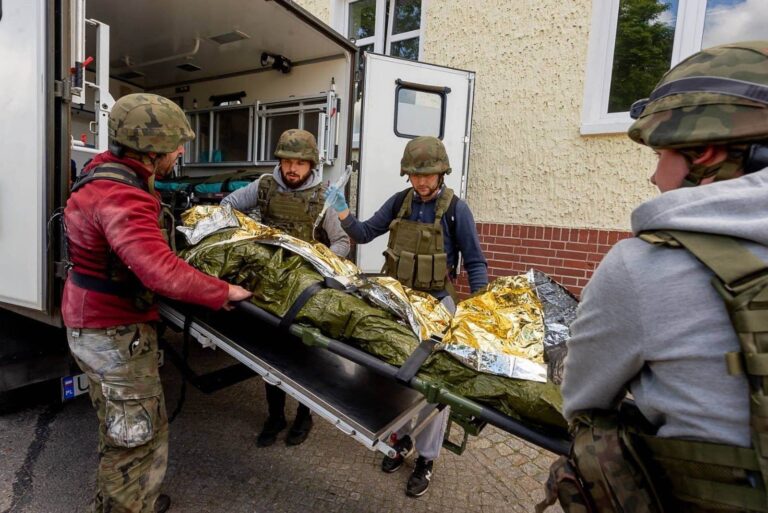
<point x="404" y="448"/>
<point x="162" y="503"/>
<point x="269" y="432"/>
<point x="419" y="480"/>
<point x="300" y="429"/>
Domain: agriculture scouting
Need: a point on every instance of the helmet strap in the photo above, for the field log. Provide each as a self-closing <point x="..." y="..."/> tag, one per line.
<point x="731" y="167"/>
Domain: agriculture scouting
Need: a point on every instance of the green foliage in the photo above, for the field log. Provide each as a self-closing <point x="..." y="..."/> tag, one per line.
<point x="642" y="54"/>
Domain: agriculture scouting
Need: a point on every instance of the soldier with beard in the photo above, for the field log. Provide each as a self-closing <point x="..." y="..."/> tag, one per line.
<point x="291" y="199"/>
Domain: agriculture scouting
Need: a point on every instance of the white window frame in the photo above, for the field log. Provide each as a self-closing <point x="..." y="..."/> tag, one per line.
<point x="383" y="38"/>
<point x="378" y="32"/>
<point x="595" y="118"/>
<point x="394" y="38"/>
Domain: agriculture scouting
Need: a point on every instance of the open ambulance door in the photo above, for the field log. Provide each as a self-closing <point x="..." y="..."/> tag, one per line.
<point x="30" y="145"/>
<point x="402" y="100"/>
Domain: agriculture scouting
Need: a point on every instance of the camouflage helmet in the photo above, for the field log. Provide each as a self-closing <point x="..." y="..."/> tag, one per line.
<point x="297" y="144"/>
<point x="424" y="156"/>
<point x="716" y="96"/>
<point x="148" y="122"/>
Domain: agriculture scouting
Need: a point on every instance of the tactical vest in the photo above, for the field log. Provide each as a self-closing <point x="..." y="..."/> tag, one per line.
<point x="120" y="280"/>
<point x="294" y="212"/>
<point x="415" y="253"/>
<point x="618" y="465"/>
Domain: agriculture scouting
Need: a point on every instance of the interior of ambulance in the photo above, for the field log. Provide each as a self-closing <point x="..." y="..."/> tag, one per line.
<point x="244" y="71"/>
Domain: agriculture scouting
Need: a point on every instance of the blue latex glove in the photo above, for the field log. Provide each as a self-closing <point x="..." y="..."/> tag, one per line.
<point x="335" y="197"/>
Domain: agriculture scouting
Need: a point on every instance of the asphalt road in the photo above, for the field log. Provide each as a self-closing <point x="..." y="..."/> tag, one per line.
<point x="48" y="459"/>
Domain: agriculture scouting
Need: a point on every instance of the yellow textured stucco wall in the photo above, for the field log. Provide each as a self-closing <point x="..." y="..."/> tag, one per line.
<point x="528" y="163"/>
<point x="318" y="8"/>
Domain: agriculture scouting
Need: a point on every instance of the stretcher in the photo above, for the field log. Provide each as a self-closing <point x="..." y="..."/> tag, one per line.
<point x="361" y="395"/>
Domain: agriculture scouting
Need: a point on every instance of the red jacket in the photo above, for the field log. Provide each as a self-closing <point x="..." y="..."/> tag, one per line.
<point x="104" y="214"/>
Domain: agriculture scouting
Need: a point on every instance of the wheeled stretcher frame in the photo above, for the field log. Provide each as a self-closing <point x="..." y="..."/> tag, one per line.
<point x="361" y="395"/>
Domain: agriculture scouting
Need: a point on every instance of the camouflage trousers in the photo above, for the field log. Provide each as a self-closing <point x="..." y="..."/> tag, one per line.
<point x="121" y="365"/>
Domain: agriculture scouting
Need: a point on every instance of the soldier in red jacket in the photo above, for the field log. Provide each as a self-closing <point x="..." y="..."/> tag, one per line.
<point x="120" y="258"/>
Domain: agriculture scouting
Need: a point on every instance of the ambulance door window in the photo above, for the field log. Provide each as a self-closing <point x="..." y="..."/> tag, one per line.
<point x="419" y="113"/>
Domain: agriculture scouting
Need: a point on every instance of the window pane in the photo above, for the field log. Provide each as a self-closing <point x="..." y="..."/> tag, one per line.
<point x="231" y="136"/>
<point x="276" y="125"/>
<point x="362" y="19"/>
<point x="203" y="137"/>
<point x="643" y="51"/>
<point x="407" y="16"/>
<point x="311" y="121"/>
<point x="729" y="21"/>
<point x="407" y="49"/>
<point x="418" y="113"/>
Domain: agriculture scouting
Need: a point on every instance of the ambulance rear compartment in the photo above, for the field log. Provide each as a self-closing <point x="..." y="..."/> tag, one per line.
<point x="244" y="71"/>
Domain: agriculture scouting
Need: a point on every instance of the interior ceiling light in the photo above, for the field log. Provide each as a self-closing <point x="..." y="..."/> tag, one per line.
<point x="229" y="37"/>
<point x="128" y="62"/>
<point x="187" y="66"/>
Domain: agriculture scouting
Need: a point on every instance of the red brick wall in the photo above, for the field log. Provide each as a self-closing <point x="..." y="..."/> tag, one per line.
<point x="569" y="255"/>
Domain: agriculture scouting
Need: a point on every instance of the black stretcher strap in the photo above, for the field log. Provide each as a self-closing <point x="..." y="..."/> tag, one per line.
<point x="414" y="362"/>
<point x="297" y="305"/>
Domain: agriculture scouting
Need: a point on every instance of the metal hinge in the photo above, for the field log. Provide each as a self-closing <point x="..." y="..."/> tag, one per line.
<point x="62" y="89"/>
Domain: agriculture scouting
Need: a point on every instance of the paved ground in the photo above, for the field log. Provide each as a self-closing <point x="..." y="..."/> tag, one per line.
<point x="48" y="457"/>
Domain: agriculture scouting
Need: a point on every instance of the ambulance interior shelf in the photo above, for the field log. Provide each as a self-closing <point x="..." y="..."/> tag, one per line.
<point x="181" y="193"/>
<point x="246" y="134"/>
<point x="237" y="337"/>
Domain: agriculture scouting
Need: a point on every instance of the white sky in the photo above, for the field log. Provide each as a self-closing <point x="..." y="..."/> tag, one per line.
<point x="744" y="21"/>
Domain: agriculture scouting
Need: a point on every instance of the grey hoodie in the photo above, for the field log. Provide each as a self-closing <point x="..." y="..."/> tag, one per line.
<point x="247" y="198"/>
<point x="650" y="321"/>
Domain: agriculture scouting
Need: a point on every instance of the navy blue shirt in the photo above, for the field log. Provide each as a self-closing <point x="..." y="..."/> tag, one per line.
<point x="466" y="240"/>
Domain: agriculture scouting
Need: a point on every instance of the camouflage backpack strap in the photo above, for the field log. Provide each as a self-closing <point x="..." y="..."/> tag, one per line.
<point x="741" y="279"/>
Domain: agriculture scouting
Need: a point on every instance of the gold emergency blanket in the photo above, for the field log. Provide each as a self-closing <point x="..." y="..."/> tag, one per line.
<point x="501" y="330"/>
<point x="377" y="314"/>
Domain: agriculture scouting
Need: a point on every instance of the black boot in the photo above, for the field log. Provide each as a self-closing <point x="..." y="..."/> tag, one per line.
<point x="269" y="432"/>
<point x="276" y="420"/>
<point x="301" y="427"/>
<point x="162" y="503"/>
<point x="419" y="480"/>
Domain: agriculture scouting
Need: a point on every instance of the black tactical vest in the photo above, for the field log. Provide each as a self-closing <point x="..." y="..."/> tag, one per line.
<point x="120" y="280"/>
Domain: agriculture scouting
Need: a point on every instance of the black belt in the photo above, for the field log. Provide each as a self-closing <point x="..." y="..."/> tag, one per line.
<point x="103" y="285"/>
